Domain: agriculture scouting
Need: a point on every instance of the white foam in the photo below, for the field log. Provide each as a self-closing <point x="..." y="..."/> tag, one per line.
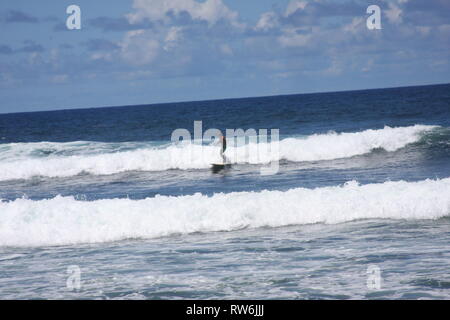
<point x="64" y="220"/>
<point x="18" y="160"/>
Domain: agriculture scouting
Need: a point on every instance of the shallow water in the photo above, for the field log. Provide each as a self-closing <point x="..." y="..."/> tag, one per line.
<point x="295" y="262"/>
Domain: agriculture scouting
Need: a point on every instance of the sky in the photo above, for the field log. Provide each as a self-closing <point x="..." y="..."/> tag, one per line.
<point x="132" y="52"/>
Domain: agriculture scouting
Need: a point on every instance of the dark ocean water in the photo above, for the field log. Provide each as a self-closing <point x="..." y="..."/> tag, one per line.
<point x="362" y="184"/>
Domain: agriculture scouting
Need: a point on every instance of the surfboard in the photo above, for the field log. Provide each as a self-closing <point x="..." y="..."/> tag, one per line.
<point x="216" y="167"/>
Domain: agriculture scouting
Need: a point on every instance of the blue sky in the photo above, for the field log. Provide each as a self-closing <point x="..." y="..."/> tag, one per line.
<point x="148" y="51"/>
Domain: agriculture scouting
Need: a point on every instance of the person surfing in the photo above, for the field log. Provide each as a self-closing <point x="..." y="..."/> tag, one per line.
<point x="223" y="141"/>
<point x="217" y="167"/>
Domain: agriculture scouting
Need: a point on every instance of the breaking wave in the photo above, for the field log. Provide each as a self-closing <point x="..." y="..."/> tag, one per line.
<point x="65" y="220"/>
<point x="25" y="160"/>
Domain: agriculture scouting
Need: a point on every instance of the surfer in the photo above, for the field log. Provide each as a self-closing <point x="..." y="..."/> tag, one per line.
<point x="217" y="167"/>
<point x="223" y="140"/>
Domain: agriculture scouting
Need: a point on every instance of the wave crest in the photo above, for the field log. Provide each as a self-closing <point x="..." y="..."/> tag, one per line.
<point x="23" y="161"/>
<point x="65" y="220"/>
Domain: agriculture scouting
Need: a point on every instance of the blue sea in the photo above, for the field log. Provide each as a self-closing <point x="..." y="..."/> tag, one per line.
<point x="102" y="203"/>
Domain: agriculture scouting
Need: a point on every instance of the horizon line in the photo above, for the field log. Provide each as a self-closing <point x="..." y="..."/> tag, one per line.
<point x="221" y="99"/>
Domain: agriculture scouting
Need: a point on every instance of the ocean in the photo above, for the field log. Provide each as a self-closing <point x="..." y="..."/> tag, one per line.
<point x="103" y="203"/>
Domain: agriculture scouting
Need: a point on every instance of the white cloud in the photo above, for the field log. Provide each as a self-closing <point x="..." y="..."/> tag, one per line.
<point x="294" y="6"/>
<point x="210" y="11"/>
<point x="173" y="36"/>
<point x="268" y="20"/>
<point x="394" y="13"/>
<point x="355" y="26"/>
<point x="142" y="47"/>
<point x="291" y="38"/>
<point x="139" y="47"/>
